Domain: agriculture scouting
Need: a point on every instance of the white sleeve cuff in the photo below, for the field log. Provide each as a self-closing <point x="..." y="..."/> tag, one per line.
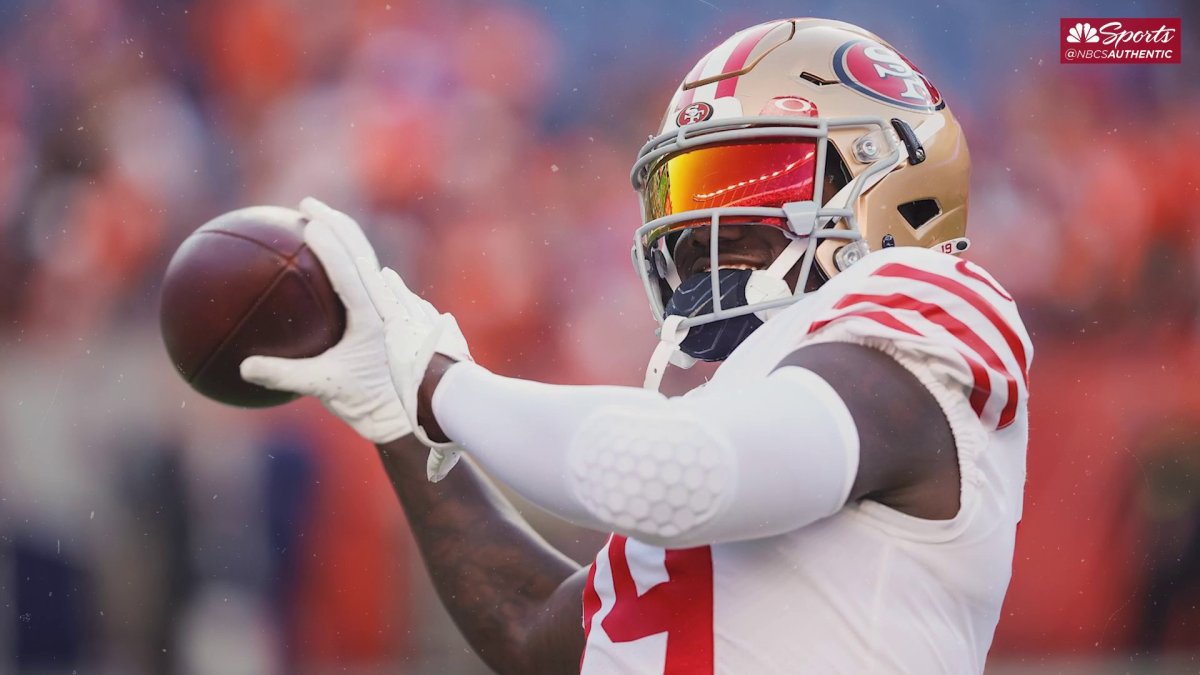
<point x="720" y="465"/>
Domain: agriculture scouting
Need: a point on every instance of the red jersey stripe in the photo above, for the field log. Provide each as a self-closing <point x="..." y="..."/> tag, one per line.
<point x="898" y="270"/>
<point x="741" y="53"/>
<point x="878" y="316"/>
<point x="965" y="270"/>
<point x="936" y="314"/>
<point x="982" y="383"/>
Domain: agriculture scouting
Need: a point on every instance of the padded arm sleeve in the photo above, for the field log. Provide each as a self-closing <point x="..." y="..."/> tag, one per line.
<point x="718" y="465"/>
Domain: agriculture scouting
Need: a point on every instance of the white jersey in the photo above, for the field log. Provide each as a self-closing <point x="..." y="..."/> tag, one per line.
<point x="869" y="589"/>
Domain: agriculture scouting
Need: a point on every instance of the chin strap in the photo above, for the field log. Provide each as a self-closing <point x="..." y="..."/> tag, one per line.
<point x="767" y="285"/>
<point x="787" y="258"/>
<point x="667" y="352"/>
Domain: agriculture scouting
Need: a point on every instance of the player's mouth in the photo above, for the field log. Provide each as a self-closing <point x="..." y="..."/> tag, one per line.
<point x="702" y="266"/>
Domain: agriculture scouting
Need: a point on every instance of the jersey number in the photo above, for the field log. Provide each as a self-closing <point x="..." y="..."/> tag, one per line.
<point x="681" y="607"/>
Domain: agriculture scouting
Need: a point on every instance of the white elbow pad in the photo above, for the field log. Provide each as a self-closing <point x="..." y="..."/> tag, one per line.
<point x="655" y="476"/>
<point x="723" y="466"/>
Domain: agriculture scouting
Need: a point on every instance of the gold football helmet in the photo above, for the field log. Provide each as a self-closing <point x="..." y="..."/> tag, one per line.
<point x="771" y="120"/>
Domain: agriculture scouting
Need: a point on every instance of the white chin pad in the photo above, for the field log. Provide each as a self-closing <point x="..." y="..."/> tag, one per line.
<point x="764" y="286"/>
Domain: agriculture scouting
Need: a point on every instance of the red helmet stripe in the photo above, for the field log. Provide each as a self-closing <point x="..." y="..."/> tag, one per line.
<point x="698" y="69"/>
<point x="690" y="94"/>
<point x="686" y="99"/>
<point x="741" y="54"/>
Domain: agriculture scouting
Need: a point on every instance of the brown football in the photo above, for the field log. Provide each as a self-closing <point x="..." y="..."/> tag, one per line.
<point x="243" y="284"/>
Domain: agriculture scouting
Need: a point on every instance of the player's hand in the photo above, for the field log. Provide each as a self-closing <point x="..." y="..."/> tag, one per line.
<point x="414" y="332"/>
<point x="351" y="377"/>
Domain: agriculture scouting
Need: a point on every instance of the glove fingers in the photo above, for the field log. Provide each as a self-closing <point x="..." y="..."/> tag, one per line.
<point x="294" y="375"/>
<point x="343" y="226"/>
<point x="411" y="301"/>
<point x="426" y="307"/>
<point x="387" y="305"/>
<point x="338" y="263"/>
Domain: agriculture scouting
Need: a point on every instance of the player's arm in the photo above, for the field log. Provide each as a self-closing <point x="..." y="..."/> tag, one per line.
<point x="907" y="455"/>
<point x="517" y="600"/>
<point x="929" y="354"/>
<point x="735" y="462"/>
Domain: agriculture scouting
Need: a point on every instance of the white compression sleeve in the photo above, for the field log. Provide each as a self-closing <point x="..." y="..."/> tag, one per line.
<point x="722" y="464"/>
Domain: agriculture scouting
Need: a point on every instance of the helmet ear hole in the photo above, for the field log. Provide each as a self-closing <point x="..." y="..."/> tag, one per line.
<point x="919" y="212"/>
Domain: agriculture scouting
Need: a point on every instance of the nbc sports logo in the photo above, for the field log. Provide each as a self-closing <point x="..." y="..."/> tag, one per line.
<point x="1082" y="32"/>
<point x="1088" y="39"/>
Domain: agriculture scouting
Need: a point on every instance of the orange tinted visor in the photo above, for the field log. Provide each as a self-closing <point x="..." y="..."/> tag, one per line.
<point x="769" y="173"/>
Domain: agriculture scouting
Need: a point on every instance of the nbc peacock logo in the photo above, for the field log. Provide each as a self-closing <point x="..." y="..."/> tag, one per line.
<point x="1083" y="32"/>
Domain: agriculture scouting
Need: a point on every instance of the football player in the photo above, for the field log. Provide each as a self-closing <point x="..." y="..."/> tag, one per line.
<point x="841" y="497"/>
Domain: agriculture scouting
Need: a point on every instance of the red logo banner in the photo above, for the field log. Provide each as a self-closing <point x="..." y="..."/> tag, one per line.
<point x="1120" y="40"/>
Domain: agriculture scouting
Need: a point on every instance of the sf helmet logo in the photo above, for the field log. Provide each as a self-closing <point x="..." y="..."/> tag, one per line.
<point x="696" y="112"/>
<point x="881" y="73"/>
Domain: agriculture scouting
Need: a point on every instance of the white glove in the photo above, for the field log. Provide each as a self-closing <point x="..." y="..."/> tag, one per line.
<point x="414" y="331"/>
<point x="351" y="378"/>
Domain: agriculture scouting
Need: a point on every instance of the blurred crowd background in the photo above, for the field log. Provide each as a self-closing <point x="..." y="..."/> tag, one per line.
<point x="485" y="147"/>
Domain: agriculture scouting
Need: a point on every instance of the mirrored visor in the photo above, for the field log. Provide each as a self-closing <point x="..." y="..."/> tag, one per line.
<point x="767" y="173"/>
